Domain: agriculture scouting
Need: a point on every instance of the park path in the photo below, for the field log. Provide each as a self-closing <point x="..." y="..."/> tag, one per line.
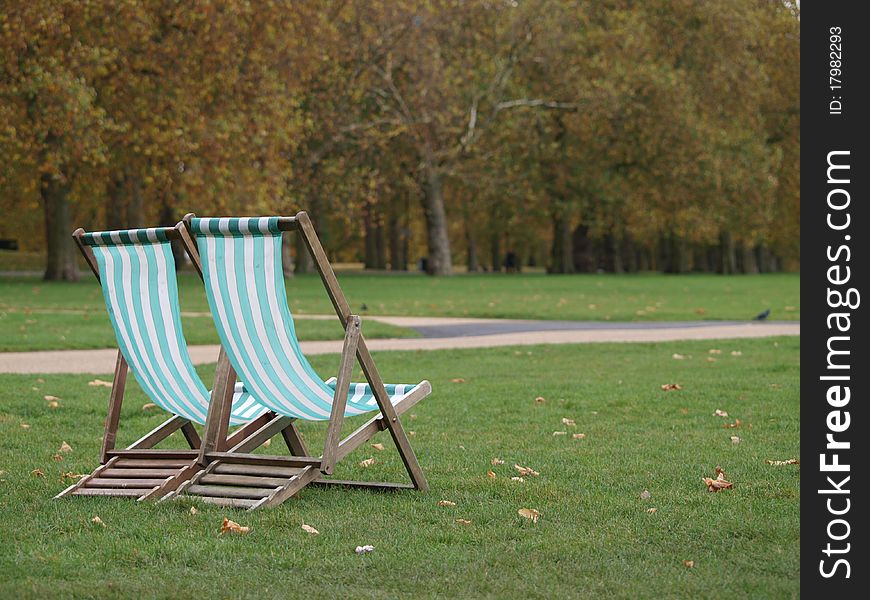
<point x="438" y="334"/>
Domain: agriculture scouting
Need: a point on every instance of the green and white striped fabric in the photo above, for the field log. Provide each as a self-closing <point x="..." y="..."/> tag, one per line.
<point x="137" y="273"/>
<point x="241" y="264"/>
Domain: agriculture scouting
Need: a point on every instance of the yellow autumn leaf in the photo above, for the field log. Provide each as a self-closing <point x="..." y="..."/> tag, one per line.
<point x="446" y="503"/>
<point x="496" y="461"/>
<point x="148" y="406"/>
<point x="98" y="521"/>
<point x="99" y="383"/>
<point x="367" y="462"/>
<point x="529" y="513"/>
<point x="64" y="447"/>
<point x="670" y="387"/>
<point x="309" y="529"/>
<point x="524" y="471"/>
<point x="378" y="447"/>
<point x="232" y="527"/>
<point x="779" y="463"/>
<point x="579" y="436"/>
<point x="490" y="474"/>
<point x="463" y="521"/>
<point x="568" y="422"/>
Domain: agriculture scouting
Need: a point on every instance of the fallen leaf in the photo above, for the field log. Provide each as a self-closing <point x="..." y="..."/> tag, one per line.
<point x="51" y="398"/>
<point x="364" y="549"/>
<point x="711" y="359"/>
<point x="148" y="406"/>
<point x="560" y="433"/>
<point x="789" y="308"/>
<point x="779" y="463"/>
<point x="669" y="387"/>
<point x="267" y="443"/>
<point x="735" y="439"/>
<point x="645" y="495"/>
<point x="412" y="433"/>
<point x="69" y="475"/>
<point x="378" y="447"/>
<point x="539" y="400"/>
<point x="720" y="483"/>
<point x="309" y="529"/>
<point x="446" y="503"/>
<point x="367" y="462"/>
<point x="689" y="564"/>
<point x="714" y="351"/>
<point x="193" y="511"/>
<point x="38" y="473"/>
<point x="529" y="513"/>
<point x="100" y="383"/>
<point x="25" y="426"/>
<point x="53" y="404"/>
<point x="736" y="353"/>
<point x="232" y="527"/>
<point x="56" y="457"/>
<point x="700" y="311"/>
<point x="457" y="380"/>
<point x="40" y="380"/>
<point x="733" y="425"/>
<point x="461" y="447"/>
<point x="651" y="509"/>
<point x="463" y="521"/>
<point x="526" y="470"/>
<point x="568" y="422"/>
<point x="519" y="479"/>
<point x="678" y="356"/>
<point x="579" y="436"/>
<point x="64" y="447"/>
<point x="720" y="413"/>
<point x="412" y="416"/>
<point x="684" y="411"/>
<point x="490" y="474"/>
<point x="98" y="521"/>
<point x="496" y="461"/>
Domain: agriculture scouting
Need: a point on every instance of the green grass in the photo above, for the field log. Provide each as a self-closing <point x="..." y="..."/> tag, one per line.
<point x="36" y="315"/>
<point x="595" y="537"/>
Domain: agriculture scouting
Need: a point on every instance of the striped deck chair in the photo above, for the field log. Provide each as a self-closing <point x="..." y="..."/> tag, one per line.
<point x="136" y="269"/>
<point x="242" y="272"/>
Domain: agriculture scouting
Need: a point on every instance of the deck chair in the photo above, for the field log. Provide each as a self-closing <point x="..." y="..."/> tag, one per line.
<point x="136" y="270"/>
<point x="242" y="272"/>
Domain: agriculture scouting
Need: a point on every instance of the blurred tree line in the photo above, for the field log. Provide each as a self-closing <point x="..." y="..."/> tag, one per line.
<point x="615" y="134"/>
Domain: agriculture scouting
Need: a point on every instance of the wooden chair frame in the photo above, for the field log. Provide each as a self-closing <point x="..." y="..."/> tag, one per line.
<point x="140" y="463"/>
<point x="302" y="468"/>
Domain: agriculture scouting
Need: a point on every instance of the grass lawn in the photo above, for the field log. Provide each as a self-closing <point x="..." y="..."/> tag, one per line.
<point x="36" y="315"/>
<point x="596" y="536"/>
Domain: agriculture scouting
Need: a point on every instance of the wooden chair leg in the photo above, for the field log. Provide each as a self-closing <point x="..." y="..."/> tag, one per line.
<point x="113" y="416"/>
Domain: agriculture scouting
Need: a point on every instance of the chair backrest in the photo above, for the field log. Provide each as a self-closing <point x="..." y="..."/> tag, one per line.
<point x="137" y="275"/>
<point x="244" y="281"/>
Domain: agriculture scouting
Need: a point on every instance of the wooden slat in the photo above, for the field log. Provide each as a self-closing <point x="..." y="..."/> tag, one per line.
<point x="130" y="493"/>
<point x="255" y="470"/>
<point x="263" y="459"/>
<point x="158" y="434"/>
<point x="220" y="406"/>
<point x="339" y="401"/>
<point x="231" y="502"/>
<point x="116" y="398"/>
<point x="146" y="463"/>
<point x="176" y="455"/>
<point x="228" y="491"/>
<point x="139" y="473"/>
<point x="366" y="484"/>
<point x="264" y="433"/>
<point x="117" y="482"/>
<point x="242" y="480"/>
<point x="294" y="485"/>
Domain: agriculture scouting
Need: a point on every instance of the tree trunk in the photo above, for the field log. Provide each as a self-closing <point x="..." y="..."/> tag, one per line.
<point x="116" y="202"/>
<point x="60" y="264"/>
<point x="729" y="255"/>
<point x="304" y="262"/>
<point x="287" y="253"/>
<point x="438" y="242"/>
<point x="563" y="246"/>
<point x="135" y="204"/>
<point x="472" y="262"/>
<point x="395" y="236"/>
<point x="495" y="250"/>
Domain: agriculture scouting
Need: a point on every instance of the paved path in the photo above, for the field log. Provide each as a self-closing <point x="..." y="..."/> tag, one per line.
<point x="438" y="334"/>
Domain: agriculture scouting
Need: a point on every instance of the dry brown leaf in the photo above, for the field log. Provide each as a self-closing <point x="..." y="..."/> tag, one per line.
<point x="779" y="463"/>
<point x="735" y="439"/>
<point x="193" y="511"/>
<point x="490" y="474"/>
<point x="733" y="425"/>
<point x="457" y="380"/>
<point x="645" y="495"/>
<point x="25" y="426"/>
<point x="413" y="416"/>
<point x="267" y="443"/>
<point x="560" y="433"/>
<point x="518" y="479"/>
<point x="367" y="462"/>
<point x="51" y="398"/>
<point x="720" y="483"/>
<point x="53" y="404"/>
<point x="446" y="503"/>
<point x="463" y="521"/>
<point x="670" y="387"/>
<point x="98" y="521"/>
<point x="711" y="359"/>
<point x="309" y="529"/>
<point x="496" y="462"/>
<point x="232" y="527"/>
<point x="714" y="351"/>
<point x="524" y="471"/>
<point x="412" y="433"/>
<point x="579" y="436"/>
<point x="736" y="353"/>
<point x="69" y="475"/>
<point x="38" y="473"/>
<point x="56" y="457"/>
<point x="568" y="422"/>
<point x="678" y="356"/>
<point x="720" y="413"/>
<point x="64" y="447"/>
<point x="539" y="400"/>
<point x="100" y="383"/>
<point x="378" y="447"/>
<point x="684" y="411"/>
<point x="148" y="406"/>
<point x="529" y="513"/>
<point x="689" y="564"/>
<point x="651" y="509"/>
